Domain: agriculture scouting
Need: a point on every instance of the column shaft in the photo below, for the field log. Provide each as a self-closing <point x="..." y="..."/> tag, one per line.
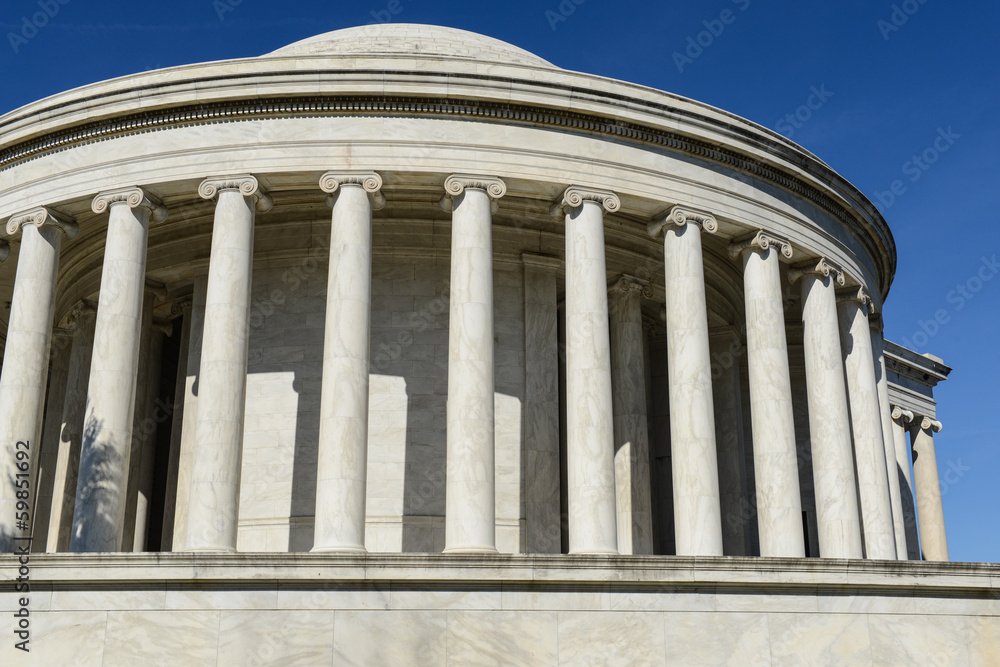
<point x="628" y="390"/>
<point x="888" y="442"/>
<point x="694" y="462"/>
<point x="779" y="504"/>
<point x="62" y="347"/>
<point x="71" y="432"/>
<point x="182" y="308"/>
<point x="901" y="417"/>
<point x="213" y="512"/>
<point x="25" y="370"/>
<point x="342" y="459"/>
<point x="99" y="508"/>
<point x="930" y="511"/>
<point x="866" y="425"/>
<point x="725" y="347"/>
<point x="590" y="477"/>
<point x="829" y="421"/>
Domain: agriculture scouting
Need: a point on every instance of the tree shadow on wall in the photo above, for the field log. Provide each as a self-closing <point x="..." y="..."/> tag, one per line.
<point x="101" y="492"/>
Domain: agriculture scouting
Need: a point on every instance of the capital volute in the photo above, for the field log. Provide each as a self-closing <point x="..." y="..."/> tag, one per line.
<point x="575" y="197"/>
<point x="133" y="197"/>
<point x="817" y="267"/>
<point x="928" y="424"/>
<point x="333" y="182"/>
<point x="857" y="295"/>
<point x="625" y="283"/>
<point x="901" y="415"/>
<point x="40" y="217"/>
<point x="680" y="216"/>
<point x="247" y="184"/>
<point x="456" y="184"/>
<point x="760" y="241"/>
<point x="181" y="307"/>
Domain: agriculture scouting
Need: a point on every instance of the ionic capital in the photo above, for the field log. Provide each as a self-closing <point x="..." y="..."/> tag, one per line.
<point x="680" y="216"/>
<point x="761" y="241"/>
<point x="817" y="267"/>
<point x="456" y="184"/>
<point x="901" y="415"/>
<point x="133" y="198"/>
<point x="575" y="197"/>
<point x="181" y="307"/>
<point x="928" y="424"/>
<point x="858" y="295"/>
<point x="79" y="313"/>
<point x="371" y="182"/>
<point x="40" y="217"/>
<point x="247" y="184"/>
<point x="626" y="283"/>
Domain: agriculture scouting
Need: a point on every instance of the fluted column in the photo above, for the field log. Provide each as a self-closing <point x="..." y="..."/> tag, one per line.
<point x="866" y="424"/>
<point x="342" y="457"/>
<point x="99" y="508"/>
<point x="836" y="491"/>
<point x="779" y="503"/>
<point x="930" y="511"/>
<point x="81" y="320"/>
<point x="901" y="418"/>
<point x="628" y="384"/>
<point x="725" y="345"/>
<point x="179" y="310"/>
<point x="44" y="475"/>
<point x="470" y="499"/>
<point x="590" y="438"/>
<point x="26" y="365"/>
<point x="214" y="497"/>
<point x="888" y="441"/>
<point x="694" y="458"/>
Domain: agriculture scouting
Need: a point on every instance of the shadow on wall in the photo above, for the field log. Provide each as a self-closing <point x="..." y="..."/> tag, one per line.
<point x="98" y="456"/>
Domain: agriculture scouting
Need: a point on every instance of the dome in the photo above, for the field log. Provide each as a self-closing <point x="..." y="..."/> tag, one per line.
<point x="410" y="39"/>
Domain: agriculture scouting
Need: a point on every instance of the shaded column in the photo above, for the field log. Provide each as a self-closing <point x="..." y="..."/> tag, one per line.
<point x="628" y="391"/>
<point x="342" y="456"/>
<point x="180" y="309"/>
<point x="26" y="365"/>
<point x="900" y="420"/>
<point x="81" y="321"/>
<point x="543" y="523"/>
<point x="779" y="503"/>
<point x="836" y="492"/>
<point x="725" y="346"/>
<point x="44" y="475"/>
<point x="888" y="441"/>
<point x="99" y="509"/>
<point x="866" y="424"/>
<point x="470" y="495"/>
<point x="930" y="511"/>
<point x="214" y="499"/>
<point x="694" y="462"/>
<point x="590" y="438"/>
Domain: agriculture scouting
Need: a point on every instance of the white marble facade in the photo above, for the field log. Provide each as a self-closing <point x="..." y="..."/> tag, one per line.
<point x="368" y="320"/>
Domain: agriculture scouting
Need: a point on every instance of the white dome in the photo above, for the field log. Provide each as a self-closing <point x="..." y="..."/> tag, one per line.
<point x="410" y="39"/>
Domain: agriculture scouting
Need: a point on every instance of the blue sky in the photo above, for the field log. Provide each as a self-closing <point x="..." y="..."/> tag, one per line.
<point x="924" y="83"/>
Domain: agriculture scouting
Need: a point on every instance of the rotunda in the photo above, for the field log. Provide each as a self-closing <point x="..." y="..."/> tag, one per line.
<point x="402" y="344"/>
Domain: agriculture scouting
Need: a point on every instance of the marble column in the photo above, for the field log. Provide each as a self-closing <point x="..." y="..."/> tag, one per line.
<point x="694" y="458"/>
<point x="26" y="365"/>
<point x="342" y="457"/>
<point x="590" y="436"/>
<point x="779" y="503"/>
<point x="217" y="452"/>
<point x="44" y="475"/>
<point x="930" y="511"/>
<point x="834" y="484"/>
<point x="188" y="430"/>
<point x="631" y="426"/>
<point x="542" y="514"/>
<point x="888" y="441"/>
<point x="99" y="507"/>
<point x="180" y="310"/>
<point x="866" y="424"/>
<point x="725" y="345"/>
<point x="470" y="497"/>
<point x="900" y="419"/>
<point x="81" y="321"/>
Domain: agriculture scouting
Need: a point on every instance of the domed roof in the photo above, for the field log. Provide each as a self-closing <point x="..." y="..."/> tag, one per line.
<point x="410" y="39"/>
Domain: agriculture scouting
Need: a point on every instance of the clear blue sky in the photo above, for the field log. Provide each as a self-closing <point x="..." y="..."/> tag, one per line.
<point x="889" y="95"/>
